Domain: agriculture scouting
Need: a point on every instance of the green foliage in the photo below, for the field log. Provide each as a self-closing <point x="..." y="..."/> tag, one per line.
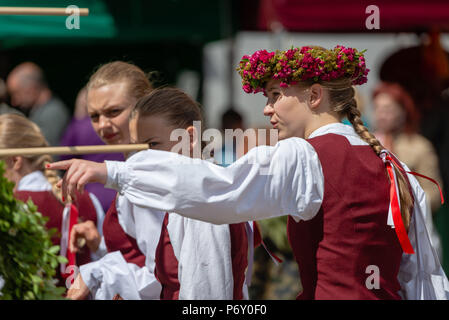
<point x="276" y="230"/>
<point x="28" y="259"/>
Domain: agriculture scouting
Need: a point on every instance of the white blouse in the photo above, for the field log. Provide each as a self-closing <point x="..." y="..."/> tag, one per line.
<point x="111" y="274"/>
<point x="269" y="181"/>
<point x="203" y="251"/>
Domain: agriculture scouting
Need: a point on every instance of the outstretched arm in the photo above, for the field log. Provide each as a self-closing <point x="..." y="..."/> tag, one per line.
<point x="285" y="179"/>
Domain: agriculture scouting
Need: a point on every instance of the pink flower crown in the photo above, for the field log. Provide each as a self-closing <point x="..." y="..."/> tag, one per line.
<point x="299" y="64"/>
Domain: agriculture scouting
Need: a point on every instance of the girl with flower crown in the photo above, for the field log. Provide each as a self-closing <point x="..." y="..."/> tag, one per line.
<point x="356" y="216"/>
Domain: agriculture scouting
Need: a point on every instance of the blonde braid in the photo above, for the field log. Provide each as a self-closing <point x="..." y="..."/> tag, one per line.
<point x="354" y="116"/>
<point x="51" y="175"/>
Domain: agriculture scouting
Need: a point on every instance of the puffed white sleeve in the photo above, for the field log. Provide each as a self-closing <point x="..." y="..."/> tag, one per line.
<point x="112" y="275"/>
<point x="421" y="275"/>
<point x="203" y="251"/>
<point x="269" y="181"/>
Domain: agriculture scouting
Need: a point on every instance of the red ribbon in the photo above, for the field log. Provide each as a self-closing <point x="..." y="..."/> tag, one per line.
<point x="394" y="203"/>
<point x="396" y="212"/>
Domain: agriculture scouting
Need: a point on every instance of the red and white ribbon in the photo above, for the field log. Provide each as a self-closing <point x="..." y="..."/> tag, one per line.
<point x="394" y="211"/>
<point x="69" y="219"/>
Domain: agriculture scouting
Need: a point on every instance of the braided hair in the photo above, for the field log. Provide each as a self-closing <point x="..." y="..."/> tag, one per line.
<point x="343" y="102"/>
<point x="16" y="131"/>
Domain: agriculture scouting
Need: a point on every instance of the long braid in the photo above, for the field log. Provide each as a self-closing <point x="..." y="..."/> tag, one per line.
<point x="354" y="116"/>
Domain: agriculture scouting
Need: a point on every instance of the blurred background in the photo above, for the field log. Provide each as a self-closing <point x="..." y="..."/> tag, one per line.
<point x="197" y="44"/>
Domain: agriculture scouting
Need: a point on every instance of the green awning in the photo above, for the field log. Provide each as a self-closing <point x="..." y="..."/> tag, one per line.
<point x="114" y="21"/>
<point x="16" y="30"/>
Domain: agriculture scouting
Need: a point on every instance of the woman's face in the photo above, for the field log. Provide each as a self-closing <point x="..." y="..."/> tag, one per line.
<point x="109" y="107"/>
<point x="153" y="130"/>
<point x="389" y="116"/>
<point x="287" y="109"/>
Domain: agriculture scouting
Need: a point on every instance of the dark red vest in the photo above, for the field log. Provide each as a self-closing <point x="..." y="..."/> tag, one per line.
<point x="49" y="206"/>
<point x="166" y="270"/>
<point x="350" y="232"/>
<point x="116" y="239"/>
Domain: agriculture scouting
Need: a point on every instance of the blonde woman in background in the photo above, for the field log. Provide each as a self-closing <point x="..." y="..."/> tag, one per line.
<point x="33" y="181"/>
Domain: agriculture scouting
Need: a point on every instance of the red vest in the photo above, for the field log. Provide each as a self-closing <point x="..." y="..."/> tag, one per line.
<point x="116" y="239"/>
<point x="350" y="232"/>
<point x="49" y="206"/>
<point x="166" y="270"/>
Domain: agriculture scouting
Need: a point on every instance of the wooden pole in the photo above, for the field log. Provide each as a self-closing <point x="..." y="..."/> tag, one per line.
<point x="72" y="150"/>
<point x="36" y="11"/>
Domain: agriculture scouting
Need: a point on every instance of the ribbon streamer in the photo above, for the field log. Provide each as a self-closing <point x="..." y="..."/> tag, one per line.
<point x="395" y="207"/>
<point x="70" y="218"/>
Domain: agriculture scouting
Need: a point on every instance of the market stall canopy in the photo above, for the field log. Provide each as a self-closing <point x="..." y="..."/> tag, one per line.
<point x="112" y="21"/>
<point x="350" y="15"/>
<point x="16" y="30"/>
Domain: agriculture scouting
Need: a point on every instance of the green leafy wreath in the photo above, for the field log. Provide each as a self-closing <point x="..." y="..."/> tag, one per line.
<point x="28" y="259"/>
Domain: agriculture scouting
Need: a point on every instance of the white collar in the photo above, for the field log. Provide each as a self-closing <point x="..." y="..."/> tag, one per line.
<point x="341" y="129"/>
<point x="34" y="181"/>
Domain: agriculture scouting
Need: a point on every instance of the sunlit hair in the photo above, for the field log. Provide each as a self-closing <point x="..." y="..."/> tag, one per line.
<point x="16" y="131"/>
<point x="343" y="102"/>
<point x="173" y="104"/>
<point x="120" y="71"/>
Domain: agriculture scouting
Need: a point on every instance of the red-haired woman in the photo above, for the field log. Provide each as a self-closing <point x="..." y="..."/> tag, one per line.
<point x="396" y="121"/>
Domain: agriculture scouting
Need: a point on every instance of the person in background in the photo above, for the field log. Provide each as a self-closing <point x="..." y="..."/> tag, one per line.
<point x="4" y="107"/>
<point x="33" y="181"/>
<point x="396" y="120"/>
<point x="81" y="133"/>
<point x="231" y="119"/>
<point x="126" y="263"/>
<point x="195" y="260"/>
<point x="29" y="91"/>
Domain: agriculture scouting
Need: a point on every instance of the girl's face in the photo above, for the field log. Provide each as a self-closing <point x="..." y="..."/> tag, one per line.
<point x="15" y="168"/>
<point x="9" y="172"/>
<point x="109" y="107"/>
<point x="389" y="116"/>
<point x="153" y="130"/>
<point x="287" y="109"/>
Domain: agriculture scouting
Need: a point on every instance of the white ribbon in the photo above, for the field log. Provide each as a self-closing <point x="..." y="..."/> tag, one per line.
<point x="65" y="234"/>
<point x="383" y="155"/>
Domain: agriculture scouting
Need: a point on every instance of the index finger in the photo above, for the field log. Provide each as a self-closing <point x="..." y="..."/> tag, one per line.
<point x="60" y="165"/>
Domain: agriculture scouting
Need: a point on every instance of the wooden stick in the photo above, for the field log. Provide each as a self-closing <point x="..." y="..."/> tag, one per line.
<point x="37" y="11"/>
<point x="72" y="150"/>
